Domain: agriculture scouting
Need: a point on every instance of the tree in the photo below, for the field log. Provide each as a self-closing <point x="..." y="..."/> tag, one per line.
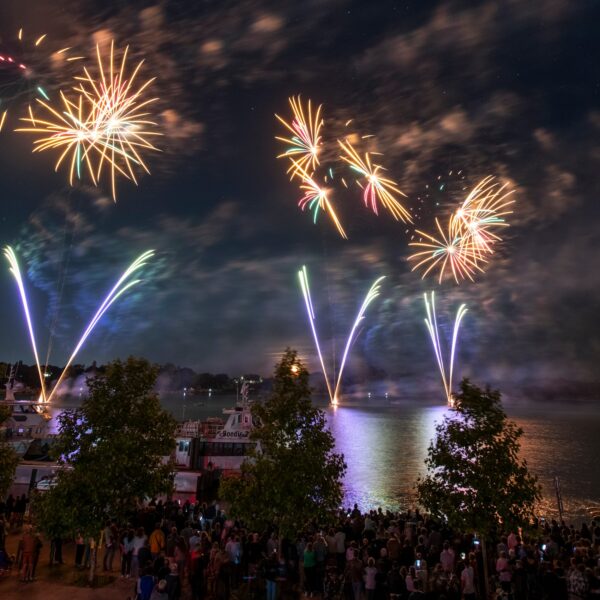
<point x="112" y="448"/>
<point x="296" y="475"/>
<point x="8" y="457"/>
<point x="475" y="479"/>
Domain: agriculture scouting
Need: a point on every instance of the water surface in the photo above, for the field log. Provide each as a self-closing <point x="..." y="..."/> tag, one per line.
<point x="385" y="444"/>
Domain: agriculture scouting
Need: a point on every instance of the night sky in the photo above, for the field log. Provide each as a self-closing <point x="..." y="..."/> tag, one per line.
<point x="510" y="89"/>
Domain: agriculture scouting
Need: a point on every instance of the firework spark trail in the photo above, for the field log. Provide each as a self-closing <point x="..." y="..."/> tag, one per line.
<point x="483" y="210"/>
<point x="10" y="255"/>
<point x="371" y="295"/>
<point x="470" y="234"/>
<point x="123" y="284"/>
<point x="117" y="290"/>
<point x="432" y="328"/>
<point x="27" y="67"/>
<point x="303" y="277"/>
<point x="119" y="114"/>
<point x="304" y="145"/>
<point x="377" y="188"/>
<point x="106" y="124"/>
<point x="316" y="198"/>
<point x="449" y="248"/>
<point x="71" y="132"/>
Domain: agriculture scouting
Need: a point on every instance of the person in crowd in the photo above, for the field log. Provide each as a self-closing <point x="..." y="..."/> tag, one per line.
<point x="145" y="585"/>
<point x="157" y="541"/>
<point x="173" y="582"/>
<point x="577" y="583"/>
<point x="160" y="591"/>
<point x="127" y="547"/>
<point x="310" y="568"/>
<point x="370" y="578"/>
<point x="27" y="549"/>
<point x="467" y="581"/>
<point x="354" y="573"/>
<point x="171" y="542"/>
<point x="79" y="550"/>
<point x="377" y="554"/>
<point x="139" y="541"/>
<point x="270" y="572"/>
<point x="447" y="558"/>
<point x="109" y="540"/>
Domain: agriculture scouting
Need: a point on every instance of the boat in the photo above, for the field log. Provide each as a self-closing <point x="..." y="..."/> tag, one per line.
<point x="217" y="443"/>
<point x="27" y="422"/>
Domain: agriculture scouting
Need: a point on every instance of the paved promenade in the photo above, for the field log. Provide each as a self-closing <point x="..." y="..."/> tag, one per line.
<point x="52" y="582"/>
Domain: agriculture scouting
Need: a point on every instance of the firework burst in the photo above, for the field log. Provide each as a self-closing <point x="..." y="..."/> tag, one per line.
<point x="120" y="115"/>
<point x="315" y="198"/>
<point x="482" y="213"/>
<point x="470" y="235"/>
<point x="376" y="189"/>
<point x="449" y="249"/>
<point x="304" y="145"/>
<point x="107" y="125"/>
<point x="69" y="132"/>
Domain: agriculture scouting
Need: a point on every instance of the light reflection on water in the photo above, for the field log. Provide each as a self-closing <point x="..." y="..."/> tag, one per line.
<point x="385" y="447"/>
<point x="384" y="450"/>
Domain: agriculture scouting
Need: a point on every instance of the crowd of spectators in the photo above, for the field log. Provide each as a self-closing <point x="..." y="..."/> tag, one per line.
<point x="173" y="551"/>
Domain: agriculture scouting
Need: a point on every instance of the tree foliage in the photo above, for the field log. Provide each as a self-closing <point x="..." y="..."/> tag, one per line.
<point x="475" y="478"/>
<point x="112" y="448"/>
<point x="296" y="475"/>
<point x="8" y="457"/>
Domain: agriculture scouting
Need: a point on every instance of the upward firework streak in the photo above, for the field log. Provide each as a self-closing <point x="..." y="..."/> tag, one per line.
<point x="373" y="292"/>
<point x="118" y="289"/>
<point x="304" y="286"/>
<point x="107" y="124"/>
<point x="376" y="188"/>
<point x="123" y="284"/>
<point x="10" y="255"/>
<point x="371" y="295"/>
<point x="304" y="145"/>
<point x="432" y="327"/>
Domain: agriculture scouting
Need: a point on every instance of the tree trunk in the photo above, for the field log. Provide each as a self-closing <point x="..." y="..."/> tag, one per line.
<point x="485" y="568"/>
<point x="93" y="557"/>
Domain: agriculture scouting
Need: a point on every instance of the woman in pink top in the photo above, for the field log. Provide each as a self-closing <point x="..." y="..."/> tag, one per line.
<point x="504" y="572"/>
<point x="410" y="580"/>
